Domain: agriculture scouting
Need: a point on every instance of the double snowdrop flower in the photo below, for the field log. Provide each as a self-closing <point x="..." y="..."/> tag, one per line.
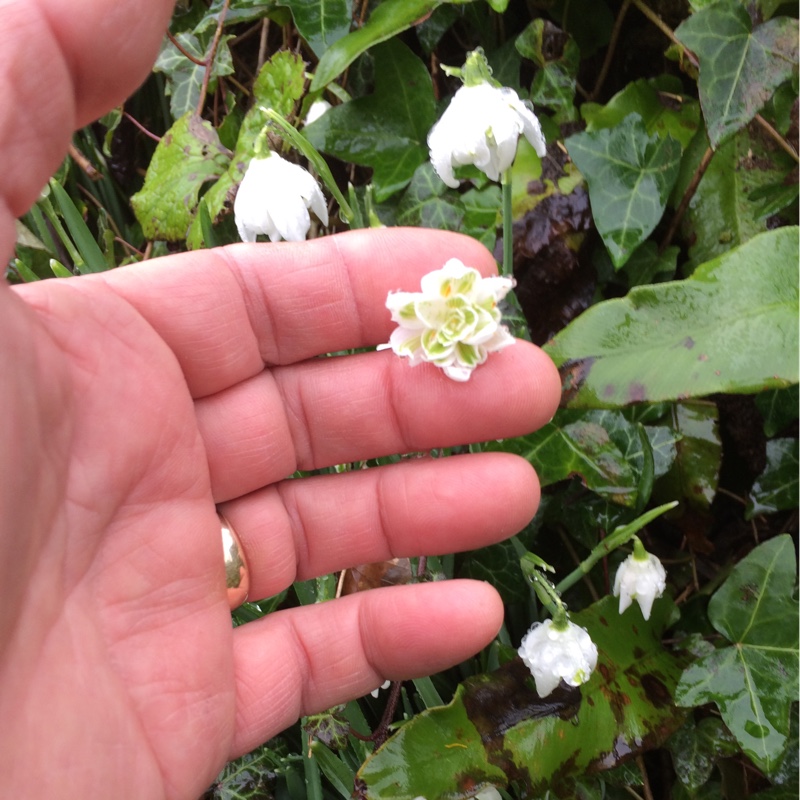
<point x="481" y="126"/>
<point x="558" y="649"/>
<point x="274" y="198"/>
<point x="454" y="322"/>
<point x="640" y="577"/>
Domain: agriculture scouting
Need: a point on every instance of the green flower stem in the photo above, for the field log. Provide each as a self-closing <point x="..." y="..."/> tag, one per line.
<point x="508" y="223"/>
<point x="297" y="140"/>
<point x="620" y="536"/>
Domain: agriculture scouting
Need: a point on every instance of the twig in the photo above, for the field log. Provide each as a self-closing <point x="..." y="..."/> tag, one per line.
<point x="212" y="54"/>
<point x="781" y="141"/>
<point x="381" y="733"/>
<point x="648" y="792"/>
<point x="141" y="127"/>
<point x="262" y="44"/>
<point x="687" y="198"/>
<point x="184" y="52"/>
<point x="576" y="559"/>
<point x="80" y="159"/>
<point x="612" y="45"/>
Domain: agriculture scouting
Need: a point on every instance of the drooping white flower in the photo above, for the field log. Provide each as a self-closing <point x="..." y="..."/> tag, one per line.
<point x="315" y="111"/>
<point x="481" y="126"/>
<point x="274" y="198"/>
<point x="384" y="685"/>
<point x="553" y="653"/>
<point x="640" y="577"/>
<point x="454" y="322"/>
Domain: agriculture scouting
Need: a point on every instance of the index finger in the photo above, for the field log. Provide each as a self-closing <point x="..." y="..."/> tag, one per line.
<point x="226" y="313"/>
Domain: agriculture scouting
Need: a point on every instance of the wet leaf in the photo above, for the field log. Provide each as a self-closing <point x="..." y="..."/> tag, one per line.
<point x="427" y="202"/>
<point x="184" y="77"/>
<point x="388" y="19"/>
<point x="775" y="488"/>
<point x="557" y="57"/>
<point x="387" y="130"/>
<point x="279" y="85"/>
<point x="722" y="213"/>
<point x="251" y="777"/>
<point x="696" y="748"/>
<point x="658" y="101"/>
<point x="740" y="67"/>
<point x="321" y="23"/>
<point x="673" y="340"/>
<point x="755" y="680"/>
<point x="630" y="176"/>
<point x="601" y="447"/>
<point x="331" y="727"/>
<point x="498" y="565"/>
<point x="698" y="453"/>
<point x="778" y="407"/>
<point x="497" y="729"/>
<point x="188" y="156"/>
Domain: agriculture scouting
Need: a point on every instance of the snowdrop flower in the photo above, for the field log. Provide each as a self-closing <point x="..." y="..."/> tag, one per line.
<point x="454" y="322"/>
<point x="481" y="126"/>
<point x="640" y="577"/>
<point x="316" y="110"/>
<point x="384" y="685"/>
<point x="274" y="198"/>
<point x="553" y="650"/>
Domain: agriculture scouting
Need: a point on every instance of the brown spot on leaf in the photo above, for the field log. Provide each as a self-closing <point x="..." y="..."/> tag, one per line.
<point x="688" y="343"/>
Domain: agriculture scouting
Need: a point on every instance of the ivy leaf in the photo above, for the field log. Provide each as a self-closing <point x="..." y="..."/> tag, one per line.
<point x="427" y="202"/>
<point x="497" y="729"/>
<point x="739" y="68"/>
<point x="673" y="340"/>
<point x="755" y="680"/>
<point x="610" y="454"/>
<point x="188" y="155"/>
<point x="694" y="474"/>
<point x="778" y="407"/>
<point x="655" y="102"/>
<point x="775" y="489"/>
<point x="184" y="77"/>
<point x="323" y="22"/>
<point x="722" y="213"/>
<point x="630" y="176"/>
<point x="387" y="130"/>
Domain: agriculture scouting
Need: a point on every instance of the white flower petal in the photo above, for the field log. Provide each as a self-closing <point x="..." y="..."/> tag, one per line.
<point x="453" y="322"/>
<point x="481" y="126"/>
<point x="552" y="654"/>
<point x="316" y="110"/>
<point x="642" y="580"/>
<point x="273" y="199"/>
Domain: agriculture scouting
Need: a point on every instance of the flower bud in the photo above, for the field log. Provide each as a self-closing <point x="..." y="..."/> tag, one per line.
<point x="640" y="577"/>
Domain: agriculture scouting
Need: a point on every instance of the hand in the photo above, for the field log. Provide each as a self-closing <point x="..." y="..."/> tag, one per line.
<point x="135" y="401"/>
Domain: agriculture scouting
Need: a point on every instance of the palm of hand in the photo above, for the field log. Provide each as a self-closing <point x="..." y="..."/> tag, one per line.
<point x="152" y="406"/>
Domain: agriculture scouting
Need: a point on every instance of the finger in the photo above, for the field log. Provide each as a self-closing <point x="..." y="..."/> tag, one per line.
<point x="300" y="529"/>
<point x="65" y="69"/>
<point x="307" y="659"/>
<point x="227" y="312"/>
<point x="331" y="411"/>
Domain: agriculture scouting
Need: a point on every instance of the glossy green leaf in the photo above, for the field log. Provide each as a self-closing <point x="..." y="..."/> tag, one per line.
<point x="722" y="213"/>
<point x="694" y="474"/>
<point x="755" y="680"/>
<point x="427" y="202"/>
<point x="387" y="130"/>
<point x="658" y="101"/>
<point x="695" y="749"/>
<point x="779" y="407"/>
<point x="321" y="22"/>
<point x="776" y="488"/>
<point x="601" y="447"/>
<point x="740" y="67"/>
<point x="92" y="258"/>
<point x="497" y="729"/>
<point x="630" y="176"/>
<point x="279" y="85"/>
<point x="731" y="327"/>
<point x="497" y="564"/>
<point x="188" y="155"/>
<point x="388" y="19"/>
<point x="184" y="77"/>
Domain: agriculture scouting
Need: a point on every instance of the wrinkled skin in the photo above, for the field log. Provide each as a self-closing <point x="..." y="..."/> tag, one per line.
<point x="134" y="401"/>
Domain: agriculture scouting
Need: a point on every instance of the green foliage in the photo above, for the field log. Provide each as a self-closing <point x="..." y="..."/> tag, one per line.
<point x="673" y="340"/>
<point x="498" y="730"/>
<point x="755" y="679"/>
<point x="656" y="261"/>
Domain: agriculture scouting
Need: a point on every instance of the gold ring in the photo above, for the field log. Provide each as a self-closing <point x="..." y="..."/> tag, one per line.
<point x="237" y="576"/>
